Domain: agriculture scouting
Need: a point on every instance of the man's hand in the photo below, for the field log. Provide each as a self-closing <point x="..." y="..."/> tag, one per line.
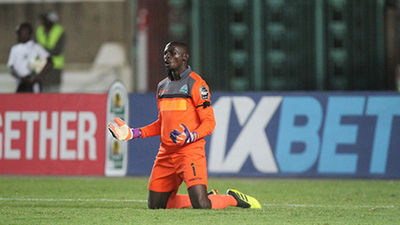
<point x="185" y="137"/>
<point x="27" y="79"/>
<point x="123" y="132"/>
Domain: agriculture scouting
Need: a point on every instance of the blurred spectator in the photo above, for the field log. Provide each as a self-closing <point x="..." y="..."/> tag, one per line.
<point x="51" y="36"/>
<point x="28" y="61"/>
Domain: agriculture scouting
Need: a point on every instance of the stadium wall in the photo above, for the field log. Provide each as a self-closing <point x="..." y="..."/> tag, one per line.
<point x="263" y="134"/>
<point x="88" y="24"/>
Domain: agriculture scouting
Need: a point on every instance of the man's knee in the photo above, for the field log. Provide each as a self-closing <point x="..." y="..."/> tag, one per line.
<point x="155" y="205"/>
<point x="198" y="197"/>
<point x="157" y="200"/>
<point x="201" y="203"/>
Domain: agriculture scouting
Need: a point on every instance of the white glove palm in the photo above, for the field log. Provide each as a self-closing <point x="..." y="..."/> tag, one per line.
<point x="123" y="132"/>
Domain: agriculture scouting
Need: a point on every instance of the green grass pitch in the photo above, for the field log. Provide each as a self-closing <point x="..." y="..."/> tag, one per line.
<point x="96" y="200"/>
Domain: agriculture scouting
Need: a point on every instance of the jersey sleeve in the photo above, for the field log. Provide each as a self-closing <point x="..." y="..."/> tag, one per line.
<point x="11" y="57"/>
<point x="153" y="129"/>
<point x="41" y="52"/>
<point x="201" y="99"/>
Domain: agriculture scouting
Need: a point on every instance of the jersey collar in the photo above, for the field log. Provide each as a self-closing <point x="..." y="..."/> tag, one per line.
<point x="184" y="74"/>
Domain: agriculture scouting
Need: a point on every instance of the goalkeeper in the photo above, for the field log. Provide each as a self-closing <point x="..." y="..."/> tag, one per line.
<point x="185" y="117"/>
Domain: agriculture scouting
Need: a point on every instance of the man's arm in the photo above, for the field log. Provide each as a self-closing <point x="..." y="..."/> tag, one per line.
<point x="201" y="98"/>
<point x="58" y="49"/>
<point x="14" y="72"/>
<point x="153" y="129"/>
<point x="10" y="63"/>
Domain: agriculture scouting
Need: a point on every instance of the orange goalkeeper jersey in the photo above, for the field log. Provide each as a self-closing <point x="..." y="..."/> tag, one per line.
<point x="185" y="101"/>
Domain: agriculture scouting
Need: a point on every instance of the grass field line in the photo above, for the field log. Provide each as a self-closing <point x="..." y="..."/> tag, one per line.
<point x="331" y="206"/>
<point x="144" y="201"/>
<point x="70" y="200"/>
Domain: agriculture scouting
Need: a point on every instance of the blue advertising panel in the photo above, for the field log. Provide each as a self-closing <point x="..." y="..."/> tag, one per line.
<point x="290" y="134"/>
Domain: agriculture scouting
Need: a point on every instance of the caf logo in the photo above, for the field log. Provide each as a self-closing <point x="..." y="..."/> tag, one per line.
<point x="116" y="148"/>
<point x="117" y="100"/>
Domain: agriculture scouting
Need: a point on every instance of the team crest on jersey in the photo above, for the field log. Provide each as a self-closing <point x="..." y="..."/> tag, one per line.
<point x="203" y="92"/>
<point x="184" y="89"/>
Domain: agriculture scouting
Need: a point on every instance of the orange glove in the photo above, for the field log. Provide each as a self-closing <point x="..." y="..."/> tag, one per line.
<point x="123" y="132"/>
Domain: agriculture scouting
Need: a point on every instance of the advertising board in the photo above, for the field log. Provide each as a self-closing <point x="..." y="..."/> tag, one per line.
<point x="291" y="134"/>
<point x="52" y="134"/>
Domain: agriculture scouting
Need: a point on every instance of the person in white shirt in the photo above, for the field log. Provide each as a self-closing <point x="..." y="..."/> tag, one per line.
<point x="28" y="61"/>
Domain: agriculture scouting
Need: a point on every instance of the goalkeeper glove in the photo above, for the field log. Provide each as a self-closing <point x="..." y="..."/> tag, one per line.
<point x="123" y="132"/>
<point x="185" y="137"/>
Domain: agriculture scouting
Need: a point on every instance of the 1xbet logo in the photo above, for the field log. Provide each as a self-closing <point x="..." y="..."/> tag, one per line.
<point x="324" y="134"/>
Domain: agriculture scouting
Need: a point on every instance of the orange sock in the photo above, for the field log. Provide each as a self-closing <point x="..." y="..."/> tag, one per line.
<point x="222" y="201"/>
<point x="178" y="201"/>
<point x="217" y="201"/>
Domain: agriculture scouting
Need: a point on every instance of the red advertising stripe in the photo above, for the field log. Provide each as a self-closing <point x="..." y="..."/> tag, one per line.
<point x="52" y="134"/>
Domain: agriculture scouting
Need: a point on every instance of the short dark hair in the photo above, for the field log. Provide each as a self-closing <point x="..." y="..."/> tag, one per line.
<point x="182" y="45"/>
<point x="25" y="25"/>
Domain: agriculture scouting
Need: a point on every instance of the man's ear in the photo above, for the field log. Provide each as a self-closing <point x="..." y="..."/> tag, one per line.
<point x="186" y="57"/>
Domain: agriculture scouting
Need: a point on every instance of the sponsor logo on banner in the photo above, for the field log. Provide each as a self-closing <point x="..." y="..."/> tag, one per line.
<point x="293" y="134"/>
<point x="117" y="152"/>
<point x="252" y="141"/>
<point x="311" y="135"/>
<point x="52" y="134"/>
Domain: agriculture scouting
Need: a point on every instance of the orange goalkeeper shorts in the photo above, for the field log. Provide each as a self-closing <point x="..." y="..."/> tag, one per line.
<point x="188" y="165"/>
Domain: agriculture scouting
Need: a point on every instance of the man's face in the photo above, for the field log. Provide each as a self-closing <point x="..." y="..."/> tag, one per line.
<point x="46" y="22"/>
<point x="23" y="35"/>
<point x="174" y="57"/>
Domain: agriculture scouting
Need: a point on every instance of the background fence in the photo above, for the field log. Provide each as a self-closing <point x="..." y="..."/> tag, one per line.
<point x="237" y="45"/>
<point x="244" y="45"/>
